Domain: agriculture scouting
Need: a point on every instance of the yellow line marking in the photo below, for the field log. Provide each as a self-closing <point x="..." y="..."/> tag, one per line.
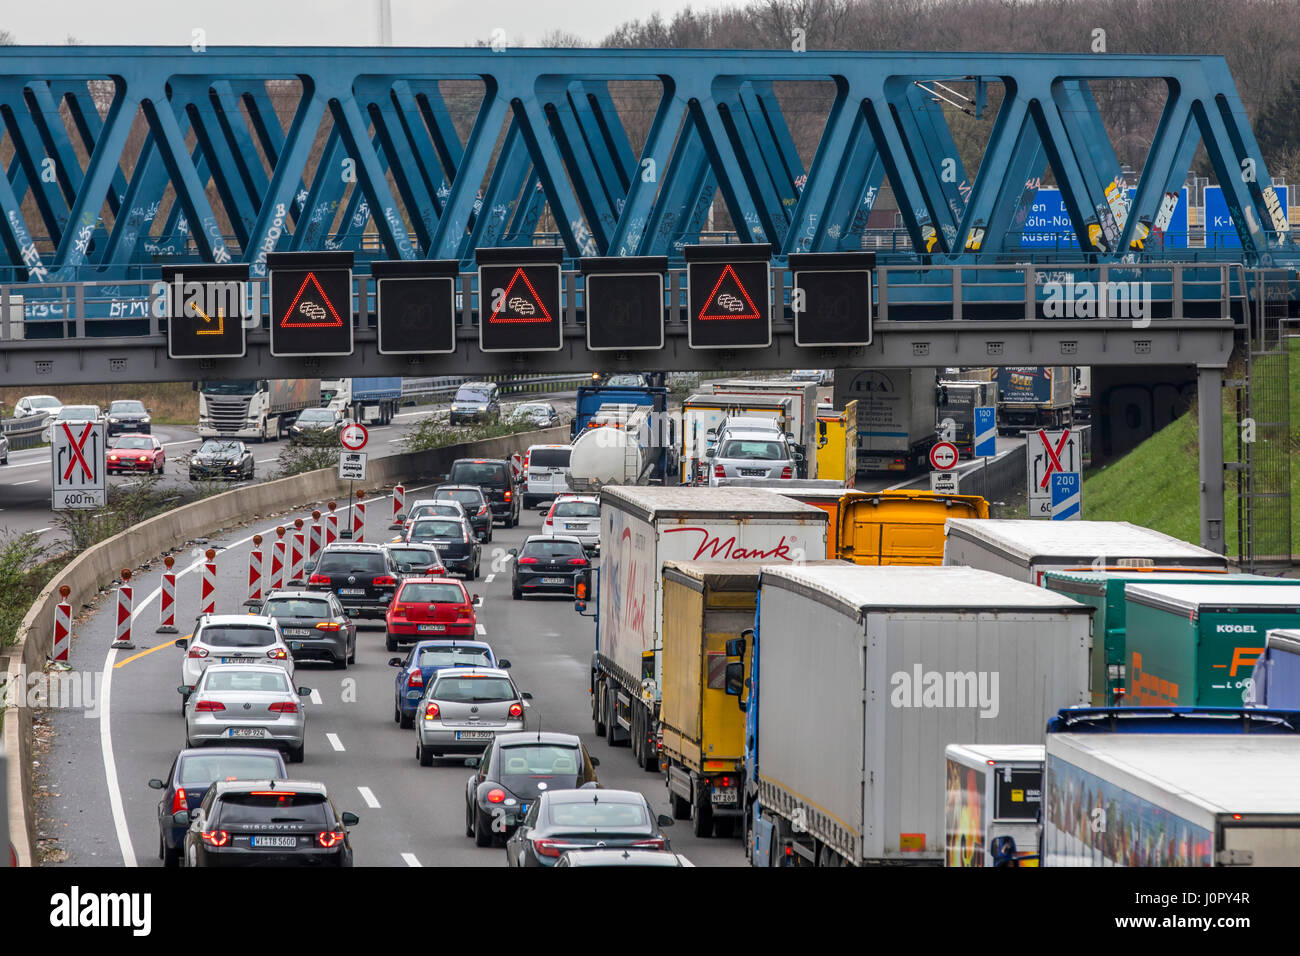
<point x="136" y="657"/>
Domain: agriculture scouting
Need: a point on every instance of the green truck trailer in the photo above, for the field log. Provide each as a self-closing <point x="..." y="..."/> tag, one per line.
<point x="1104" y="592"/>
<point x="1196" y="644"/>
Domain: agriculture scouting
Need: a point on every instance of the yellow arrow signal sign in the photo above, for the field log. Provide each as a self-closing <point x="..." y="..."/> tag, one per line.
<point x="221" y="321"/>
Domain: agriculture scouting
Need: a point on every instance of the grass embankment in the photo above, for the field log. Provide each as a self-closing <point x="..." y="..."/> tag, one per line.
<point x="172" y="403"/>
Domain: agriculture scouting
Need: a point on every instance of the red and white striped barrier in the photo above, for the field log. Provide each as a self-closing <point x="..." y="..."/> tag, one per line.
<point x="399" y="505"/>
<point x="62" y="625"/>
<point x="277" y="561"/>
<point x="331" y="525"/>
<point x="124" y="604"/>
<point x="297" y="556"/>
<point x="208" y="584"/>
<point x="359" y="517"/>
<point x="313" y="539"/>
<point x="167" y="606"/>
<point x="255" y="574"/>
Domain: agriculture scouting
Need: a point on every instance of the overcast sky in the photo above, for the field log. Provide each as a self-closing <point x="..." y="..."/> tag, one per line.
<point x="322" y="22"/>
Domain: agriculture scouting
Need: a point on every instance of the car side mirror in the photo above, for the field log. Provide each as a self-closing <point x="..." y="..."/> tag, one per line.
<point x="304" y="691"/>
<point x="349" y="818"/>
<point x="472" y="761"/>
<point x="525" y="696"/>
<point x="503" y="664"/>
<point x="179" y="642"/>
<point x="513" y="552"/>
<point x="156" y="784"/>
<point x="664" y="820"/>
<point x="476" y="600"/>
<point x="394" y="662"/>
<point x="181" y="818"/>
<point x="595" y="761"/>
<point x="183" y="690"/>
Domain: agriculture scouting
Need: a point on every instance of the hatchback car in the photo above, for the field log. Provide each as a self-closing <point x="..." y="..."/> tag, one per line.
<point x="222" y="458"/>
<point x="364" y="576"/>
<point x="233" y="639"/>
<point x="514" y="771"/>
<point x="819" y="375"/>
<point x="546" y="472"/>
<point x="415" y="670"/>
<point x="454" y="539"/>
<point x="428" y="607"/>
<point x="429" y="508"/>
<point x="30" y="405"/>
<point x="547" y="564"/>
<point x="474" y="501"/>
<point x="420" y="559"/>
<point x="194" y="770"/>
<point x="314" y="625"/>
<point x="246" y="703"/>
<point x="497" y="480"/>
<point x="267" y="823"/>
<point x="475" y="402"/>
<point x="536" y="414"/>
<point x="563" y="820"/>
<point x="316" y="422"/>
<point x="751" y="454"/>
<point x="575" y="516"/>
<point x="128" y="416"/>
<point x="464" y="708"/>
<point x="136" y="453"/>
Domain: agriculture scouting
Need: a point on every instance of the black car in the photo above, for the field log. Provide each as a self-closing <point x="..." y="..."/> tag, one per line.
<point x="125" y="416"/>
<point x="536" y="414"/>
<point x="496" y="479"/>
<point x="318" y="422"/>
<point x="474" y="502"/>
<point x="267" y="823"/>
<point x="416" y="559"/>
<point x="514" y="771"/>
<point x="455" y="540"/>
<point x="314" y="625"/>
<point x="364" y="576"/>
<point x="193" y="771"/>
<point x="222" y="458"/>
<point x="547" y="564"/>
<point x="475" y="402"/>
<point x="564" y="820"/>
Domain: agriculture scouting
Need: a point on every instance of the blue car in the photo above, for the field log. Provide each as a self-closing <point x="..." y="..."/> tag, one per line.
<point x="424" y="658"/>
<point x="195" y="770"/>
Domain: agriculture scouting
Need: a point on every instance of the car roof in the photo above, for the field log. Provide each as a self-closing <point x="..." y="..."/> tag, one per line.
<point x="467" y="671"/>
<point x="133" y="435"/>
<point x="450" y="486"/>
<point x="357" y="546"/>
<point x="254" y="619"/>
<point x="596" y="796"/>
<point x="478" y="384"/>
<point x="521" y="738"/>
<point x="247" y="786"/>
<point x="244" y="669"/>
<point x="758" y="434"/>
<point x="478" y="461"/>
<point x="426" y="518"/>
<point x="568" y="496"/>
<point x="229" y="752"/>
<point x="551" y="537"/>
<point x="433" y="579"/>
<point x="451" y="642"/>
<point x="555" y="445"/>
<point x="296" y="593"/>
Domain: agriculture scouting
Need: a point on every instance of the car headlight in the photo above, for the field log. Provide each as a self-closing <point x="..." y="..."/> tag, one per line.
<point x="113" y="420"/>
<point x="145" y="420"/>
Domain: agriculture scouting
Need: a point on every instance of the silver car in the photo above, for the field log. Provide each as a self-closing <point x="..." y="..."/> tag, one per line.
<point x="242" y="639"/>
<point x="751" y="454"/>
<point x="246" y="703"/>
<point x="463" y="709"/>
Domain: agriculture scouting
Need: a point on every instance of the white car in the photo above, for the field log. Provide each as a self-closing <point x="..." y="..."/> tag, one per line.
<point x="575" y="516"/>
<point x="546" y="472"/>
<point x="247" y="703"/>
<point x="233" y="639"/>
<point x="30" y="405"/>
<point x="76" y="414"/>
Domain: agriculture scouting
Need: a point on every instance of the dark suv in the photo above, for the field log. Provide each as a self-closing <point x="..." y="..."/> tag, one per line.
<point x="547" y="564"/>
<point x="496" y="479"/>
<point x="364" y="576"/>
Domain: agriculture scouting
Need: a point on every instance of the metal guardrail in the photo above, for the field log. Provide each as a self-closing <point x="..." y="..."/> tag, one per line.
<point x="24" y="432"/>
<point x="447" y="385"/>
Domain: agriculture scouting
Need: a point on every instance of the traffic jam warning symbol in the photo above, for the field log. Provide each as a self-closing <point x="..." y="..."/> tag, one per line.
<point x="724" y="302"/>
<point x="311" y="312"/>
<point x="519" y="300"/>
<point x="311" y="303"/>
<point x="729" y="292"/>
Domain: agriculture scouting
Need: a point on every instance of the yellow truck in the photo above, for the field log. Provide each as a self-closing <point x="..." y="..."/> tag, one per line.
<point x="837" y="444"/>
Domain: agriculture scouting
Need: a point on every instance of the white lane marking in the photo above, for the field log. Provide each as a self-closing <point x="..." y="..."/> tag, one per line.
<point x="334" y="741"/>
<point x="394" y="441"/>
<point x="316" y="699"/>
<point x="481" y="629"/>
<point x="488" y="579"/>
<point x="40" y="531"/>
<point x="110" y="765"/>
<point x="30" y="481"/>
<point x="410" y="860"/>
<point x="188" y="441"/>
<point x="369" y="797"/>
<point x="263" y="461"/>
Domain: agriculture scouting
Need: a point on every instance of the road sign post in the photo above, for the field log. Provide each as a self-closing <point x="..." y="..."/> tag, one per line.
<point x="944" y="482"/>
<point x="311" y="303"/>
<point x="206" y="305"/>
<point x="985" y="443"/>
<point x="1049" y="453"/>
<point x="77" y="457"/>
<point x="943" y="456"/>
<point x="623" y="298"/>
<point x="352" y="466"/>
<point x="354" y="436"/>
<point x="416" y="305"/>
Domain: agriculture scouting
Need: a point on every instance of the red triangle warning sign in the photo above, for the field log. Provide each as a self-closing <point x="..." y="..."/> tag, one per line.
<point x="729" y="299"/>
<point x="519" y="304"/>
<point x="307" y="313"/>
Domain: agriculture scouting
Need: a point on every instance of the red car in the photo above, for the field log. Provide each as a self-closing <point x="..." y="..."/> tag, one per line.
<point x="430" y="607"/>
<point x="136" y="453"/>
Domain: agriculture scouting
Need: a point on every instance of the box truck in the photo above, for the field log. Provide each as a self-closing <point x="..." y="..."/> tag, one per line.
<point x="702" y="417"/>
<point x="896" y="416"/>
<point x="956" y="412"/>
<point x="640" y="529"/>
<point x="1026" y="549"/>
<point x="368" y="400"/>
<point x="1196" y="644"/>
<point x="257" y="409"/>
<point x="1275" y="680"/>
<point x="1032" y="396"/>
<point x="1140" y="786"/>
<point x="801" y="413"/>
<point x="861" y="676"/>
<point x="1104" y="591"/>
<point x="991" y="791"/>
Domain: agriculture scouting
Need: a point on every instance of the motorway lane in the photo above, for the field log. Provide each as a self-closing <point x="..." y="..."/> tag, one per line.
<point x="419" y="817"/>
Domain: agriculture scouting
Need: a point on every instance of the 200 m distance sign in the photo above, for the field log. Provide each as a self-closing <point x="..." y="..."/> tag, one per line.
<point x="519" y="299"/>
<point x="311" y="303"/>
<point x="729" y="296"/>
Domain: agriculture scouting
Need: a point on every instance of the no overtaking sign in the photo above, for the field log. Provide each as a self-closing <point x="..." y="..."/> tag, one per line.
<point x="354" y="436"/>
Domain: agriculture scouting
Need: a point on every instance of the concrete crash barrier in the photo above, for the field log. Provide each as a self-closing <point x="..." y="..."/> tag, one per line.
<point x="1005" y="475"/>
<point x="100" y="565"/>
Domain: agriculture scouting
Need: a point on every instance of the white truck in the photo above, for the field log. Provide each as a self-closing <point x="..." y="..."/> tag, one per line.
<point x="1025" y="549"/>
<point x="704" y="413"/>
<point x="373" y="401"/>
<point x="861" y="676"/>
<point x="640" y="529"/>
<point x="259" y="409"/>
<point x="801" y="413"/>
<point x="991" y="791"/>
<point x="897" y="409"/>
<point x="1172" y="787"/>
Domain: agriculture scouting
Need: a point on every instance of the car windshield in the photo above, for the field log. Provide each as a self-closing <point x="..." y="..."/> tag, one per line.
<point x="237" y="386"/>
<point x="527" y="411"/>
<point x="129" y="408"/>
<point x="752" y="449"/>
<point x="279" y="806"/>
<point x="624" y="381"/>
<point x="44" y="401"/>
<point x="432" y="594"/>
<point x="599" y="815"/>
<point x="471" y="393"/>
<point x="134" y="443"/>
<point x="78" y="413"/>
<point x="298" y="607"/>
<point x="437" y="529"/>
<point x="425" y="557"/>
<point x="219" y="448"/>
<point x="472" y="689"/>
<point x="339" y="561"/>
<point x="199" y="770"/>
<point x="236" y="635"/>
<point x="465" y="496"/>
<point x="316" y="415"/>
<point x="454" y="656"/>
<point x="577" y="509"/>
<point x="478" y="473"/>
<point x="549" y="457"/>
<point x="553" y="549"/>
<point x="523" y="765"/>
<point x="243" y="680"/>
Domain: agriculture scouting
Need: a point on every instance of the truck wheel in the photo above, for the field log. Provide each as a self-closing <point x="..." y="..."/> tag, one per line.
<point x="828" y="857"/>
<point x="724" y="828"/>
<point x="702" y="815"/>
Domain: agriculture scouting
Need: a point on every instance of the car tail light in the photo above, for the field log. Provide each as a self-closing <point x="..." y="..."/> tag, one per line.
<point x="578" y="561"/>
<point x="197" y="652"/>
<point x="655" y="844"/>
<point x="318" y="579"/>
<point x="527" y="560"/>
<point x="277" y="654"/>
<point x="496" y="795"/>
<point x="431" y="711"/>
<point x="384" y="581"/>
<point x="178" y="801"/>
<point x="215" y="837"/>
<point x="786" y="472"/>
<point x="551" y="848"/>
<point x="329" y="838"/>
<point x="507" y="496"/>
<point x="208" y="706"/>
<point x="719" y="472"/>
<point x="416" y="679"/>
<point x="465" y="610"/>
<point x="284" y="707"/>
<point x="327" y="626"/>
<point x="516" y="710"/>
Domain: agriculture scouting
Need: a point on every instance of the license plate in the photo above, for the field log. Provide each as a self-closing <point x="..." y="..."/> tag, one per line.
<point x="553" y="581"/>
<point x="473" y="735"/>
<point x="576" y="527"/>
<point x="298" y="631"/>
<point x="272" y="841"/>
<point x="238" y="660"/>
<point x="246" y="732"/>
<point x="352" y="592"/>
<point x="753" y="472"/>
<point x="724" y="794"/>
<point x="433" y="627"/>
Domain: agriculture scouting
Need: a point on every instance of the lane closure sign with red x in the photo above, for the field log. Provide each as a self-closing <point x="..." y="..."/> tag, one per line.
<point x="1050" y="453"/>
<point x="77" y="452"/>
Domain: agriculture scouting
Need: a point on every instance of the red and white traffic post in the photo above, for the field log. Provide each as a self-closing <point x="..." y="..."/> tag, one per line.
<point x="208" y="583"/>
<point x="62" y="626"/>
<point x="399" y="505"/>
<point x="313" y="539"/>
<point x="359" y="517"/>
<point x="277" y="561"/>
<point x="167" y="606"/>
<point x="124" y="607"/>
<point x="331" y="525"/>
<point x="255" y="574"/>
<point x="297" y="552"/>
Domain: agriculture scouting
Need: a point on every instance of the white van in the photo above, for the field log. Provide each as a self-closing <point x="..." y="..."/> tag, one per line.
<point x="546" y="473"/>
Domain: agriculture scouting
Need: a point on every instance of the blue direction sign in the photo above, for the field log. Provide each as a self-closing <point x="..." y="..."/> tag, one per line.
<point x="1220" y="229"/>
<point x="986" y="431"/>
<point x="1067" y="496"/>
